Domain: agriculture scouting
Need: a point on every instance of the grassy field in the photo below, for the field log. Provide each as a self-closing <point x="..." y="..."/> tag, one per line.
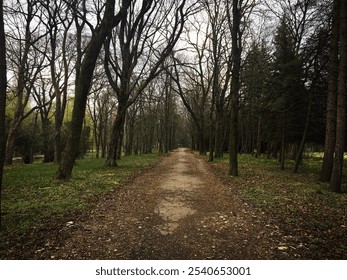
<point x="31" y="196"/>
<point x="303" y="208"/>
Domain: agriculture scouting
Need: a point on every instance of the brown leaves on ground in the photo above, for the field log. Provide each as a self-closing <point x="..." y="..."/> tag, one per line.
<point x="312" y="220"/>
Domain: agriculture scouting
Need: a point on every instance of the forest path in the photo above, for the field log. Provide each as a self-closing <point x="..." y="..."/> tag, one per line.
<point x="178" y="209"/>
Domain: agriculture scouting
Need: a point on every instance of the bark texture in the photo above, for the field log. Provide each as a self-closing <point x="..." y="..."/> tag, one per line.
<point x="336" y="176"/>
<point x="330" y="130"/>
<point x="235" y="87"/>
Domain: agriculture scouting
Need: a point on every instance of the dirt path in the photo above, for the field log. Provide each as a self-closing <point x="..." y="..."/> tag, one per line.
<point x="178" y="209"/>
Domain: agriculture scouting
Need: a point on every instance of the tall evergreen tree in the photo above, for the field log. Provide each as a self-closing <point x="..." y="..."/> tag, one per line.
<point x="290" y="99"/>
<point x="256" y="91"/>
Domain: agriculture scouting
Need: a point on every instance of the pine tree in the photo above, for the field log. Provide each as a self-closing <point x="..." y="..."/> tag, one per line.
<point x="290" y="97"/>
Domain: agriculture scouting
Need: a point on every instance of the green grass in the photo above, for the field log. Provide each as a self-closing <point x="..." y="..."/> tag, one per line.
<point x="298" y="203"/>
<point x="31" y="196"/>
<point x="267" y="184"/>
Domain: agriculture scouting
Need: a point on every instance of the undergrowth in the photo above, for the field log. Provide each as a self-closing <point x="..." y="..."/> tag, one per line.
<point x="31" y="196"/>
<point x="297" y="203"/>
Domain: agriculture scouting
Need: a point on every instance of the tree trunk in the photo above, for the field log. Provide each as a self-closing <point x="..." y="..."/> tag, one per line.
<point x="242" y="135"/>
<point x="269" y="149"/>
<point x="117" y="129"/>
<point x="104" y="138"/>
<point x="120" y="142"/>
<point x="57" y="126"/>
<point x="336" y="176"/>
<point x="167" y="113"/>
<point x="235" y="87"/>
<point x="33" y="142"/>
<point x="11" y="141"/>
<point x="82" y="87"/>
<point x="283" y="142"/>
<point x="61" y="100"/>
<point x="3" y="85"/>
<point x="201" y="136"/>
<point x="233" y="143"/>
<point x="219" y="137"/>
<point x="330" y="130"/>
<point x="252" y="132"/>
<point x="57" y="145"/>
<point x="97" y="131"/>
<point x="212" y="130"/>
<point x="211" y="141"/>
<point x="58" y="104"/>
<point x="48" y="150"/>
<point x="298" y="158"/>
<point x="130" y="132"/>
<point x="258" y="137"/>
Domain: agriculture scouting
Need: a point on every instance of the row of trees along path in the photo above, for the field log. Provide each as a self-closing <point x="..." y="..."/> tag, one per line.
<point x="282" y="83"/>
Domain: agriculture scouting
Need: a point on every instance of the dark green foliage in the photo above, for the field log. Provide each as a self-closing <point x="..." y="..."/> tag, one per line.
<point x="316" y="54"/>
<point x="28" y="142"/>
<point x="290" y="96"/>
<point x="256" y="91"/>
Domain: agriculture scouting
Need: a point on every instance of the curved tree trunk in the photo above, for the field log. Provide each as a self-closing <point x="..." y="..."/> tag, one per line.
<point x="82" y="86"/>
<point x="11" y="137"/>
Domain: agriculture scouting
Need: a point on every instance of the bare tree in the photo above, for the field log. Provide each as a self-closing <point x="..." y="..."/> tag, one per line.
<point x="193" y="85"/>
<point x="3" y="88"/>
<point x="101" y="103"/>
<point x="27" y="44"/>
<point x="135" y="53"/>
<point x="58" y="21"/>
<point x="83" y="81"/>
<point x="130" y="146"/>
<point x="300" y="15"/>
<point x="201" y="78"/>
<point x="221" y="73"/>
<point x="44" y="94"/>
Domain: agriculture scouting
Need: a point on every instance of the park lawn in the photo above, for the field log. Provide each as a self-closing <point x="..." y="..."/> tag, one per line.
<point x="32" y="198"/>
<point x="303" y="208"/>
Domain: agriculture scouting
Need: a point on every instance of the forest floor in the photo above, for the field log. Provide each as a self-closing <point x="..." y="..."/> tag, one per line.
<point x="182" y="207"/>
